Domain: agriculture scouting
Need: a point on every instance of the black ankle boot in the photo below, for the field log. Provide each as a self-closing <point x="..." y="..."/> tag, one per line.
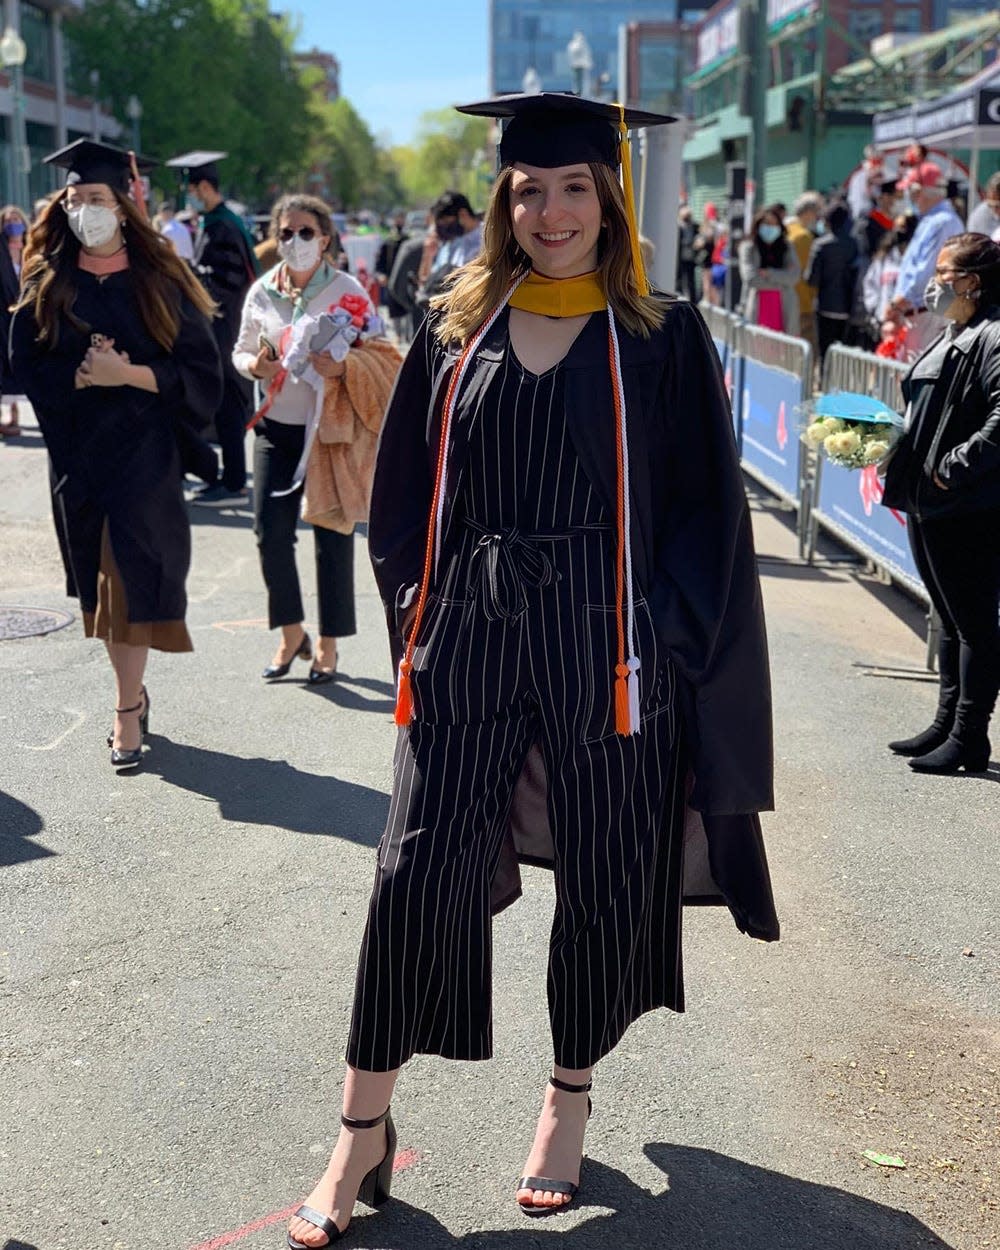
<point x="924" y="742"/>
<point x="971" y="752"/>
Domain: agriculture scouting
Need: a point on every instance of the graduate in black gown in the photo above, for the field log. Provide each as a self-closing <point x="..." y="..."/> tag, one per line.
<point x="563" y="547"/>
<point x="112" y="338"/>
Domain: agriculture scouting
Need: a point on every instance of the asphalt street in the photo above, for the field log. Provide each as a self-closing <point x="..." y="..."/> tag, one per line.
<point x="177" y="953"/>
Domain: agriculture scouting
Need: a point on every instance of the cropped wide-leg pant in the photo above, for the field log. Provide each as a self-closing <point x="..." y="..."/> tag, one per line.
<point x="519" y="649"/>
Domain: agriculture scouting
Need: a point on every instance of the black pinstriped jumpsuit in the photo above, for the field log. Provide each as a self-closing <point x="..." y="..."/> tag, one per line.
<point x="518" y="647"/>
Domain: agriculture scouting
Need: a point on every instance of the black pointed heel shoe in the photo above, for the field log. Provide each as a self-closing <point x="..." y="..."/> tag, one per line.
<point x="373" y="1192"/>
<point x="128" y="759"/>
<point x="305" y="652"/>
<point x="544" y="1182"/>
<point x="143" y="719"/>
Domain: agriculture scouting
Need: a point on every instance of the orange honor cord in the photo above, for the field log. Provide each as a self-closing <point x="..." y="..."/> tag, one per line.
<point x="138" y="190"/>
<point x="625" y="156"/>
<point x="432" y="551"/>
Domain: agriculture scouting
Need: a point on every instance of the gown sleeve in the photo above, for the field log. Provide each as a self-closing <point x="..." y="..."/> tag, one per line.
<point x="189" y="379"/>
<point x="705" y="594"/>
<point x="47" y="378"/>
<point x="403" y="484"/>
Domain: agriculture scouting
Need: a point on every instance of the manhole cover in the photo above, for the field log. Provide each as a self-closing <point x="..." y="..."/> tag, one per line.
<point x="18" y="622"/>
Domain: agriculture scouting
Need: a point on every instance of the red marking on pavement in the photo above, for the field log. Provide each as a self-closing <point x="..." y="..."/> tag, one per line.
<point x="265" y="1221"/>
<point x="404" y="1159"/>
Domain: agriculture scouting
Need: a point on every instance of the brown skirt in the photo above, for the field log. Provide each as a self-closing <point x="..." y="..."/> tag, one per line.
<point x="110" y="622"/>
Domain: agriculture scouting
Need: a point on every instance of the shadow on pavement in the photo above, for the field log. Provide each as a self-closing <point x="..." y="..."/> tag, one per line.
<point x="14" y="1244"/>
<point x="347" y="692"/>
<point x="271" y="792"/>
<point x="708" y="1201"/>
<point x="19" y="822"/>
<point x="240" y="517"/>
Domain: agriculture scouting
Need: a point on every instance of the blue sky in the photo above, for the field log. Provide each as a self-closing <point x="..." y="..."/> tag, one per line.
<point x="399" y="58"/>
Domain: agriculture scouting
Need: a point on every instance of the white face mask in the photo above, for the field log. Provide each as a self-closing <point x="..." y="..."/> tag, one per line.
<point x="93" y="224"/>
<point x="300" y="254"/>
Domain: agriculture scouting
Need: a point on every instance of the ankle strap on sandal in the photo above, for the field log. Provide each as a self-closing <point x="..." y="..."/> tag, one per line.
<point x="570" y="1089"/>
<point x="123" y="711"/>
<point x="349" y="1123"/>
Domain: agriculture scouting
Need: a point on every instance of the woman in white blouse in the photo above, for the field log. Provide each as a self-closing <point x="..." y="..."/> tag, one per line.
<point x="304" y="282"/>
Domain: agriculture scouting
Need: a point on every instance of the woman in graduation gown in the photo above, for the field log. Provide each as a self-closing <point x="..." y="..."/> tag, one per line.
<point x="113" y="340"/>
<point x="563" y="546"/>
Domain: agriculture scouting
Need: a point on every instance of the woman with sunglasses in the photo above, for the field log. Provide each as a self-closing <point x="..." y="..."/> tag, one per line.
<point x="305" y="281"/>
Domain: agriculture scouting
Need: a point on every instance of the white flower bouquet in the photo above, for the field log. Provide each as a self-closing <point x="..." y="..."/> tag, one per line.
<point x="851" y="430"/>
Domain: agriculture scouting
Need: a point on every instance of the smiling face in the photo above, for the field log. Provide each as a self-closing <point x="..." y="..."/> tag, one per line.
<point x="556" y="218"/>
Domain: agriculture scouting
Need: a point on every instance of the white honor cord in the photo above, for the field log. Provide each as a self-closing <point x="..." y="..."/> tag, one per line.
<point x="632" y="659"/>
<point x="449" y="408"/>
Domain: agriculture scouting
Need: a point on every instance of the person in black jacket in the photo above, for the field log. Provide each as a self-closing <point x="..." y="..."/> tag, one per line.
<point x="945" y="473"/>
<point x="562" y="544"/>
<point x="832" y="269"/>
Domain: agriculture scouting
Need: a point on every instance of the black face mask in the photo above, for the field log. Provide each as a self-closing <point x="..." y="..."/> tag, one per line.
<point x="447" y="230"/>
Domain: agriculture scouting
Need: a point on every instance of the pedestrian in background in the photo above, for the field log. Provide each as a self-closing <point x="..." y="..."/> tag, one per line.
<point x="112" y="340"/>
<point x="384" y="261"/>
<point x="687" y="232"/>
<point x="926" y="190"/>
<point x="802" y="231"/>
<point x="879" y="285"/>
<point x="305" y="281"/>
<point x="174" y="230"/>
<point x="769" y="271"/>
<point x="985" y="217"/>
<point x="224" y="260"/>
<point x="945" y="473"/>
<point x="832" y="273"/>
<point x="14" y="224"/>
<point x="704" y="244"/>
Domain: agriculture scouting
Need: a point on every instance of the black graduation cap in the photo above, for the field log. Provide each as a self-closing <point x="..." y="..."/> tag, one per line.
<point x="197" y="165"/>
<point x="553" y="128"/>
<point x="86" y="161"/>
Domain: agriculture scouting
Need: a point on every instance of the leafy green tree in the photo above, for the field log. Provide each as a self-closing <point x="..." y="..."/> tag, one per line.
<point x="210" y="74"/>
<point x="451" y="150"/>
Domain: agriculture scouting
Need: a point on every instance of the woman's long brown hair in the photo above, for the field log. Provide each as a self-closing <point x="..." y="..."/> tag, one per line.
<point x="482" y="284"/>
<point x="49" y="274"/>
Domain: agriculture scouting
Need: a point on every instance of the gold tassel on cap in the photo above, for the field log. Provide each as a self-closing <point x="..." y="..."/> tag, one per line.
<point x="625" y="153"/>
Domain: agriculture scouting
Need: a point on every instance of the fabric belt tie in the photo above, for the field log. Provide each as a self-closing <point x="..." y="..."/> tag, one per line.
<point x="502" y="565"/>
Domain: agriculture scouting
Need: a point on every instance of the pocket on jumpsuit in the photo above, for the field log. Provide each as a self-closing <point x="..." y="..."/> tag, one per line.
<point x="439" y="660"/>
<point x="656" y="674"/>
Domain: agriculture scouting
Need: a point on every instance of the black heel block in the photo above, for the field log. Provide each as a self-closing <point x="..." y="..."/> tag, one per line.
<point x="545" y="1182"/>
<point x="375" y="1188"/>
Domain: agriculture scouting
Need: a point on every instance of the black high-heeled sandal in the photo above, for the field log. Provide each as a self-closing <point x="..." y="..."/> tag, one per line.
<point x="543" y="1182"/>
<point x="128" y="759"/>
<point x="143" y="719"/>
<point x="373" y="1192"/>
<point x="304" y="652"/>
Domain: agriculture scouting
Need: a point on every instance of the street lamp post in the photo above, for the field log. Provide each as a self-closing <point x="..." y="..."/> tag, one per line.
<point x="581" y="61"/>
<point x="13" y="52"/>
<point x="133" y="111"/>
<point x="531" y="83"/>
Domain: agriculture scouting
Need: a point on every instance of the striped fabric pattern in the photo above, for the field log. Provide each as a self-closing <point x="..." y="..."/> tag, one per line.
<point x="518" y="641"/>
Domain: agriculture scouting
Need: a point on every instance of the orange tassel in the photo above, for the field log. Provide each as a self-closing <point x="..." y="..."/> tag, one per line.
<point x="622" y="719"/>
<point x="404" y="695"/>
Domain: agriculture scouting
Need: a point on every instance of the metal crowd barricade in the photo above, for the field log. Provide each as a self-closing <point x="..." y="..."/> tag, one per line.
<point x="723" y="327"/>
<point x="847" y="502"/>
<point x="774" y="379"/>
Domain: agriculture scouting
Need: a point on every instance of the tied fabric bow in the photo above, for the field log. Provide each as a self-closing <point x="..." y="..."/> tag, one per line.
<point x="507" y="563"/>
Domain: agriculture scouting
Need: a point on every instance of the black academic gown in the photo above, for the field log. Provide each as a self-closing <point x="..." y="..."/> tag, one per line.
<point x="114" y="450"/>
<point x="693" y="560"/>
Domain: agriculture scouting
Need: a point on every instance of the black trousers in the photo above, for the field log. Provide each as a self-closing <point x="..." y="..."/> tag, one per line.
<point x="231" y="419"/>
<point x="276" y="453"/>
<point x="958" y="558"/>
<point x="509" y="660"/>
<point x="829" y="330"/>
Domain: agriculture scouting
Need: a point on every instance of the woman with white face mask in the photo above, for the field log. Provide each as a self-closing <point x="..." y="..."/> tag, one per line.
<point x="112" y="342"/>
<point x="304" y="282"/>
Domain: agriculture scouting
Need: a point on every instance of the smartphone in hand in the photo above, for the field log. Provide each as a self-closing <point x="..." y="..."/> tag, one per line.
<point x="265" y="344"/>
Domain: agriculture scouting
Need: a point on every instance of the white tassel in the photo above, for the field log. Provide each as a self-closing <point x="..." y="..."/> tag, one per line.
<point x="634" y="719"/>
